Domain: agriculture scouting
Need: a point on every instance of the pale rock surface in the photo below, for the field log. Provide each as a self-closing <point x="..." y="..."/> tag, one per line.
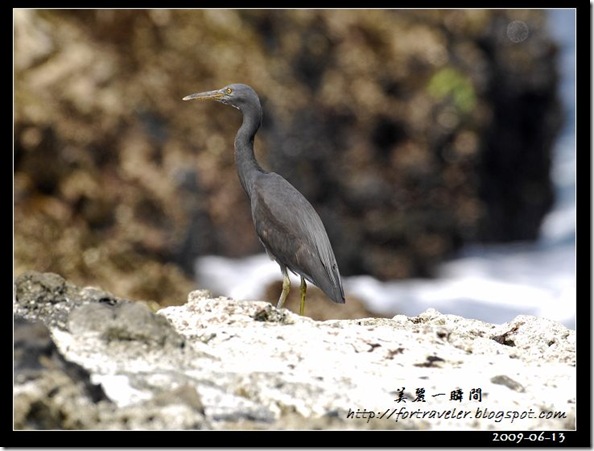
<point x="217" y="363"/>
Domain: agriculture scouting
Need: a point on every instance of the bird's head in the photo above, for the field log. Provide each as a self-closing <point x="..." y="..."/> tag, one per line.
<point x="237" y="95"/>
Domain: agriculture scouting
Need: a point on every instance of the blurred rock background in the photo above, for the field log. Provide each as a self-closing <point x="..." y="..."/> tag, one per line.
<point x="411" y="132"/>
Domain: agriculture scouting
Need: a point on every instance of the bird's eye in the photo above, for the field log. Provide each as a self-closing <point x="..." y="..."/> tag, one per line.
<point x="228" y="90"/>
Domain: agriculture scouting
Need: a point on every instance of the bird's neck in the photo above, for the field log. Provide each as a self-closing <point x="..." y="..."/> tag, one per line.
<point x="247" y="166"/>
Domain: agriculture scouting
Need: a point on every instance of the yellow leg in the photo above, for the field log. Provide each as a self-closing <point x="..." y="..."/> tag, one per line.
<point x="286" y="289"/>
<point x="303" y="291"/>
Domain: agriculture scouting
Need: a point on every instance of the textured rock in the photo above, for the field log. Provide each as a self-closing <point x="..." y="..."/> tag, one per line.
<point x="106" y="348"/>
<point x="52" y="298"/>
<point x="216" y="363"/>
<point x="50" y="391"/>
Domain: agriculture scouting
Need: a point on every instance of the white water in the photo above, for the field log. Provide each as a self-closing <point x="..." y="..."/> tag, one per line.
<point x="490" y="283"/>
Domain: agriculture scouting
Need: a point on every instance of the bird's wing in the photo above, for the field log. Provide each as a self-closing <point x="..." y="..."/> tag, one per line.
<point x="293" y="233"/>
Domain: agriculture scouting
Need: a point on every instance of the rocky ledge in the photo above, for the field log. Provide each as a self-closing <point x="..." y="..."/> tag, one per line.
<point x="85" y="359"/>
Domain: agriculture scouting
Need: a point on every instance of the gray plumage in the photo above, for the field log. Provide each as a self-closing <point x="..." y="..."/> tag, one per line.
<point x="288" y="226"/>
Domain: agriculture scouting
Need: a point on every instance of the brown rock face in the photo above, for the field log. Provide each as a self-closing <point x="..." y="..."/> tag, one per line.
<point x="411" y="132"/>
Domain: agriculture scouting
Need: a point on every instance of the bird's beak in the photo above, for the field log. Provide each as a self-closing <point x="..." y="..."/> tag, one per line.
<point x="209" y="95"/>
